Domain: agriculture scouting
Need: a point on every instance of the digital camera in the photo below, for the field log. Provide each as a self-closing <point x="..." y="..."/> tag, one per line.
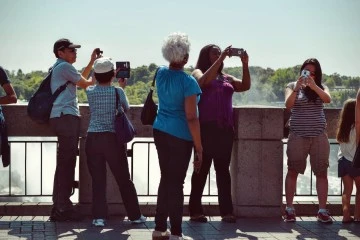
<point x="124" y="69"/>
<point x="98" y="51"/>
<point x="305" y="73"/>
<point x="236" y="52"/>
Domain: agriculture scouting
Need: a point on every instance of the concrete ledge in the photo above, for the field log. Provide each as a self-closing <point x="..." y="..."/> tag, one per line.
<point x="148" y="209"/>
<point x="257" y="211"/>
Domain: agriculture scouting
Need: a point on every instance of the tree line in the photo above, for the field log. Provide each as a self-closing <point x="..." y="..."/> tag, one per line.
<point x="267" y="87"/>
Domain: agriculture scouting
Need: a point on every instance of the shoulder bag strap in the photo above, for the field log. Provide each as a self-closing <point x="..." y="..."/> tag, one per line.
<point x="153" y="82"/>
<point x="117" y="100"/>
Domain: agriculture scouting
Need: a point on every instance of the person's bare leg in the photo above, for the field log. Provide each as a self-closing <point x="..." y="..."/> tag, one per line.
<point x="322" y="189"/>
<point x="290" y="187"/>
<point x="346" y="196"/>
<point x="357" y="199"/>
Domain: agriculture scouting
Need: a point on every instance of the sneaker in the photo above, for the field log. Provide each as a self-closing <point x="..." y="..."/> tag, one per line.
<point x="157" y="235"/>
<point x="142" y="219"/>
<point x="98" y="222"/>
<point x="183" y="237"/>
<point x="58" y="215"/>
<point x="290" y="215"/>
<point x="323" y="216"/>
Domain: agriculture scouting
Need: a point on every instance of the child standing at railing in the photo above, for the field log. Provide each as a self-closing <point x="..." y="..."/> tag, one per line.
<point x="346" y="137"/>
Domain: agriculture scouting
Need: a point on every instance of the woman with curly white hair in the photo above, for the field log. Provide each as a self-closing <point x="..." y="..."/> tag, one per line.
<point x="176" y="132"/>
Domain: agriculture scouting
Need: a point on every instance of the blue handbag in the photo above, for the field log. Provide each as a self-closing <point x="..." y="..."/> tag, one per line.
<point x="124" y="130"/>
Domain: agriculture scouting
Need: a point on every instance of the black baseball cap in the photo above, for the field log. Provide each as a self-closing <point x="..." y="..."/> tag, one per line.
<point x="64" y="43"/>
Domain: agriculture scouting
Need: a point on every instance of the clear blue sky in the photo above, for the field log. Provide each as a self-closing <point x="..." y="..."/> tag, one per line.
<point x="276" y="34"/>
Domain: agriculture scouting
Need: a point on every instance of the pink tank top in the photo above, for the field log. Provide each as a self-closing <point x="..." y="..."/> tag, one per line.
<point x="216" y="102"/>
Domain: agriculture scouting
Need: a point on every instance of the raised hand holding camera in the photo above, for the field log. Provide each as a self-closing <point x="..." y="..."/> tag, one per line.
<point x="98" y="52"/>
<point x="303" y="79"/>
<point x="305" y="74"/>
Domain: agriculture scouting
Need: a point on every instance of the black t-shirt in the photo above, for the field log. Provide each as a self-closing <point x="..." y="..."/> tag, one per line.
<point x="3" y="77"/>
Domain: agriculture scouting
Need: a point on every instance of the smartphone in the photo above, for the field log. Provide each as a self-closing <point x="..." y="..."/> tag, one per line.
<point x="236" y="51"/>
<point x="124" y="71"/>
<point x="98" y="51"/>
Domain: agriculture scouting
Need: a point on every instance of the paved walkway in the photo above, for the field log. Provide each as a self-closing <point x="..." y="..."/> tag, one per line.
<point x="26" y="227"/>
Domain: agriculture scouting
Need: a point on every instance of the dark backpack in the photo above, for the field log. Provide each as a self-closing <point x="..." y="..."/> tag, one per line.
<point x="41" y="103"/>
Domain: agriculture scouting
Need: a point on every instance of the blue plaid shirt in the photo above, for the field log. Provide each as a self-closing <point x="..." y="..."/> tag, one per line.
<point x="102" y="104"/>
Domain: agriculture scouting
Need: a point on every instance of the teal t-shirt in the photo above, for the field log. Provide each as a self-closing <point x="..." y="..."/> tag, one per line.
<point x="173" y="86"/>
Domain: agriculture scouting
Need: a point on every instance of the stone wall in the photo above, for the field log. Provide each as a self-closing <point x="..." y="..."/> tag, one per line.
<point x="257" y="158"/>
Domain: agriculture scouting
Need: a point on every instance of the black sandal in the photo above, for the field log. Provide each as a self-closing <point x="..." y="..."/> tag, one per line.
<point x="200" y="218"/>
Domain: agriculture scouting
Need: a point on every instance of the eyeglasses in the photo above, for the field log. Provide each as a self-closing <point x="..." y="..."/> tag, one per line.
<point x="73" y="50"/>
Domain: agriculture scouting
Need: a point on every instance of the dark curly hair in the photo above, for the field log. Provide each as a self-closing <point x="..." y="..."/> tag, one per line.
<point x="309" y="93"/>
<point x="203" y="62"/>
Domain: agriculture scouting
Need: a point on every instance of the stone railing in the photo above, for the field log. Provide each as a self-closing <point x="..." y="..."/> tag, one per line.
<point x="256" y="166"/>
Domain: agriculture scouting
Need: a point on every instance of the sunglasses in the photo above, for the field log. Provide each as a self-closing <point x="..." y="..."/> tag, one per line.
<point x="62" y="48"/>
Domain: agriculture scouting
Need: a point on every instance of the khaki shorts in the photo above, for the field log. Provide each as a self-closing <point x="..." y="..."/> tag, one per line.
<point x="298" y="148"/>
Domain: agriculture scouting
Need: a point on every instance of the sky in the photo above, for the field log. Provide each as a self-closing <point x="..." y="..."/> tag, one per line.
<point x="276" y="33"/>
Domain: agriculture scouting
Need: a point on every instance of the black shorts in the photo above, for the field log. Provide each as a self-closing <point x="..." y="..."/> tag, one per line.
<point x="345" y="168"/>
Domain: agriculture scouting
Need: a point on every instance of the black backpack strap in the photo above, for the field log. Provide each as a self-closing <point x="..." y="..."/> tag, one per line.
<point x="53" y="67"/>
<point x="62" y="87"/>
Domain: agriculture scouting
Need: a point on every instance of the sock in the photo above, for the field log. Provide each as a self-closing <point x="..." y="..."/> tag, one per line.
<point x="290" y="208"/>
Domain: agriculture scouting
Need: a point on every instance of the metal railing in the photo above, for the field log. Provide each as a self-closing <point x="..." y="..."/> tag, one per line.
<point x="19" y="182"/>
<point x="20" y="178"/>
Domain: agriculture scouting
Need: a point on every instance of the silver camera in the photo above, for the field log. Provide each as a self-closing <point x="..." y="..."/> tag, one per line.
<point x="305" y="74"/>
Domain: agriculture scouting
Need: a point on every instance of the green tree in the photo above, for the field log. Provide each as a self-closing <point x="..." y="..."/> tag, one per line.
<point x="337" y="79"/>
<point x="329" y="82"/>
<point x="280" y="79"/>
<point x="152" y="67"/>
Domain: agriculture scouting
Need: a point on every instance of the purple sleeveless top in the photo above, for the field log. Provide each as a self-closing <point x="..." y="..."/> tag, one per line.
<point x="216" y="102"/>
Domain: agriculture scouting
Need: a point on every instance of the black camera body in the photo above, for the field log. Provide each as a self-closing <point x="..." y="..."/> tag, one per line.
<point x="236" y="52"/>
<point x="98" y="51"/>
<point x="123" y="69"/>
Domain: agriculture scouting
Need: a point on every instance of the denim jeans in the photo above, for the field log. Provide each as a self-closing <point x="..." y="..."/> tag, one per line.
<point x="174" y="157"/>
<point x="100" y="148"/>
<point x="67" y="129"/>
<point x="217" y="146"/>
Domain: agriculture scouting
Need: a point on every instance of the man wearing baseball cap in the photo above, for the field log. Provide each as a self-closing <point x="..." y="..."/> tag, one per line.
<point x="65" y="121"/>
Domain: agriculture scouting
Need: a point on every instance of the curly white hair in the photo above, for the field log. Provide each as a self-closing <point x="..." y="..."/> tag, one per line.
<point x="176" y="46"/>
